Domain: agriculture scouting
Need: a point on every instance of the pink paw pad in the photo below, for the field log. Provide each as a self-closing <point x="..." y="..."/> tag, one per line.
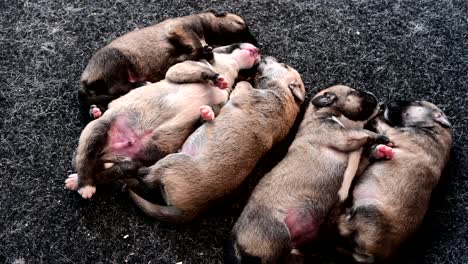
<point x="384" y="152"/>
<point x="71" y="182"/>
<point x="221" y="82"/>
<point x="206" y="113"/>
<point x="95" y="112"/>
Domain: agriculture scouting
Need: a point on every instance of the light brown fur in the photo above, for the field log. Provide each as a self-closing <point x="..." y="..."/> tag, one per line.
<point x="166" y="112"/>
<point x="218" y="156"/>
<point x="306" y="182"/>
<point x="391" y="197"/>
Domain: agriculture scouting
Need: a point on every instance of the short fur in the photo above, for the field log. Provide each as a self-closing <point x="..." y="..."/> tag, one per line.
<point x="150" y="122"/>
<point x="391" y="197"/>
<point x="144" y="55"/>
<point x="217" y="157"/>
<point x="290" y="204"/>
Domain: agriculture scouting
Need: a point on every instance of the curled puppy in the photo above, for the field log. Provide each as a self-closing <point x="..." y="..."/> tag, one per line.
<point x="220" y="154"/>
<point x="391" y="198"/>
<point x="150" y="122"/>
<point x="290" y="204"/>
<point x="144" y="55"/>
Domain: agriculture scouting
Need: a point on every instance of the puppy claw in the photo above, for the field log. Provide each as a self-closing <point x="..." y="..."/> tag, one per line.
<point x="71" y="182"/>
<point x="221" y="82"/>
<point x="206" y="113"/>
<point x="95" y="112"/>
<point x="87" y="192"/>
<point x="108" y="165"/>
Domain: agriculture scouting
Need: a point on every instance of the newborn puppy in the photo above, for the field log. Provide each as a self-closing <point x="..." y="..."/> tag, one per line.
<point x="150" y="122"/>
<point x="144" y="55"/>
<point x="391" y="198"/>
<point x="289" y="205"/>
<point x="220" y="154"/>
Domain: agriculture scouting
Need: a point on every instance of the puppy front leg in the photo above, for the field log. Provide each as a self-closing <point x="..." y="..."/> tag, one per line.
<point x="354" y="139"/>
<point x="195" y="72"/>
<point x="350" y="172"/>
<point x="358" y="162"/>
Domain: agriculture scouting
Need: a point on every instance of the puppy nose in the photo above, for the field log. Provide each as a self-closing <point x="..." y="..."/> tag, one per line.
<point x="250" y="47"/>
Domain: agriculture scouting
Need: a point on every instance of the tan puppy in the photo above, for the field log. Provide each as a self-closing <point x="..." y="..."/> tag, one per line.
<point x="144" y="55"/>
<point x="291" y="203"/>
<point x="391" y="198"/>
<point x="217" y="157"/>
<point x="155" y="120"/>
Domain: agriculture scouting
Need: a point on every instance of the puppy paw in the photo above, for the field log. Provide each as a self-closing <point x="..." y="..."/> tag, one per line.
<point x="383" y="152"/>
<point x="71" y="182"/>
<point x="87" y="192"/>
<point x="221" y="82"/>
<point x="206" y="113"/>
<point x="95" y="112"/>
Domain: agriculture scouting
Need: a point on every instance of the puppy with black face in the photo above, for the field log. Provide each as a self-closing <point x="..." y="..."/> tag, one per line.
<point x="391" y="197"/>
<point x="291" y="203"/>
<point x="145" y="55"/>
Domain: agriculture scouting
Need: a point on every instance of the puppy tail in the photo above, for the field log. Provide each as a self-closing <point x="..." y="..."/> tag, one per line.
<point x="234" y="254"/>
<point x="161" y="212"/>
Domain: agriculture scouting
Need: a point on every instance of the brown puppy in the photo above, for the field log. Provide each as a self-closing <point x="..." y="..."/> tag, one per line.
<point x="144" y="55"/>
<point x="291" y="202"/>
<point x="217" y="157"/>
<point x="150" y="122"/>
<point x="390" y="199"/>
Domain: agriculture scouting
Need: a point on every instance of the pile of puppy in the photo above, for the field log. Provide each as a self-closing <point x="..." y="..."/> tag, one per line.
<point x="170" y="124"/>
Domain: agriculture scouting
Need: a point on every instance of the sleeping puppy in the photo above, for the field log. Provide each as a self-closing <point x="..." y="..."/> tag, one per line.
<point x="220" y="154"/>
<point x="290" y="204"/>
<point x="144" y="55"/>
<point x="150" y="122"/>
<point x="391" y="198"/>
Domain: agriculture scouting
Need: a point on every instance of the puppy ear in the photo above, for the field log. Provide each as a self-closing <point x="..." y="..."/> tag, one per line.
<point x="297" y="91"/>
<point x="442" y="119"/>
<point x="324" y="100"/>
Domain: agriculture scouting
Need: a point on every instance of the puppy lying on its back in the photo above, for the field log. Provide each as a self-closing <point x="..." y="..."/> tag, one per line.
<point x="150" y="122"/>
<point x="291" y="203"/>
<point x="390" y="199"/>
<point x="144" y="55"/>
<point x="218" y="156"/>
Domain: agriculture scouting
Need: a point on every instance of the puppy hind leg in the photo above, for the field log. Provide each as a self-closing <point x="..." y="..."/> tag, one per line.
<point x="195" y="72"/>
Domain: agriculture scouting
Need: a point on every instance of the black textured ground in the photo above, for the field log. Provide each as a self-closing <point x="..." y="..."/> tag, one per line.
<point x="395" y="49"/>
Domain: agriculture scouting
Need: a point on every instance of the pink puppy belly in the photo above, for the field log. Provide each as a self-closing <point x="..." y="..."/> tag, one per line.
<point x="125" y="140"/>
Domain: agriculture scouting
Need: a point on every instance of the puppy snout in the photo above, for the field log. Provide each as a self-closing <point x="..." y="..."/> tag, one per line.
<point x="251" y="48"/>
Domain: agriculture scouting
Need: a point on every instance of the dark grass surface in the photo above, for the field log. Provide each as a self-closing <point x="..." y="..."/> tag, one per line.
<point x="395" y="49"/>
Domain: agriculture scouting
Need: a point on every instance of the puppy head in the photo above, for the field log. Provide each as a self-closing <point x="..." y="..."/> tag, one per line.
<point x="245" y="55"/>
<point x="270" y="69"/>
<point x="223" y="28"/>
<point x="353" y="104"/>
<point x="415" y="114"/>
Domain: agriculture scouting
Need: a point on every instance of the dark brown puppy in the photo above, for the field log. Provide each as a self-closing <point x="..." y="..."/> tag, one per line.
<point x="291" y="203"/>
<point x="391" y="197"/>
<point x="218" y="156"/>
<point x="144" y="55"/>
<point x="150" y="122"/>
